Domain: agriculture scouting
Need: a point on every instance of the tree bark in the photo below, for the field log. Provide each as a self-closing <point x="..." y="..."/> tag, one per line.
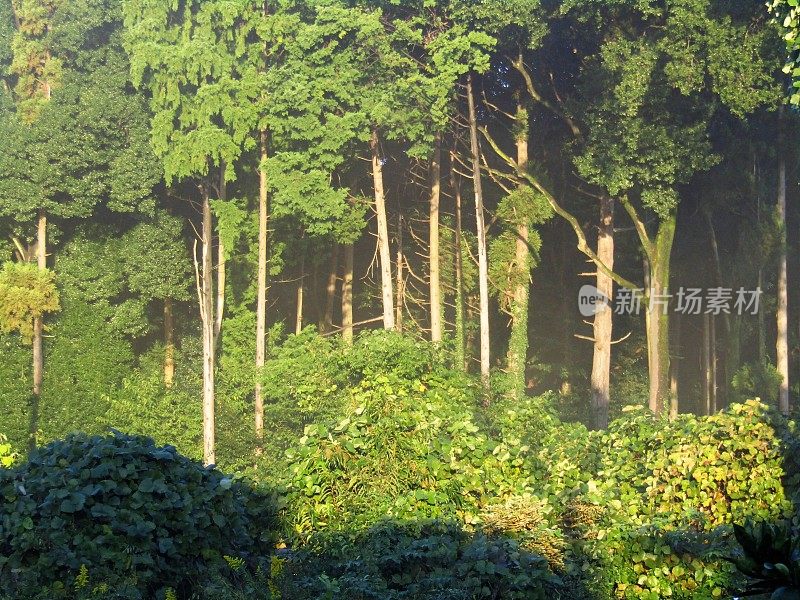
<point x="330" y="290"/>
<point x="347" y="295"/>
<point x="674" y="373"/>
<point x="713" y="356"/>
<point x="707" y="364"/>
<point x="433" y="223"/>
<point x="221" y="263"/>
<point x="782" y="342"/>
<point x="460" y="325"/>
<point x="206" y="292"/>
<point x="518" y="340"/>
<point x="383" y="232"/>
<point x="483" y="266"/>
<point x="38" y="323"/>
<point x="603" y="319"/>
<point x="400" y="289"/>
<point x="298" y="323"/>
<point x="261" y="294"/>
<point x="657" y="318"/>
<point x="169" y="344"/>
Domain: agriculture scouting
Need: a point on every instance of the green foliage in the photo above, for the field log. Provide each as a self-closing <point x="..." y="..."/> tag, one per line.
<point x="435" y="560"/>
<point x="7" y="455"/>
<point x="129" y="511"/>
<point x="770" y="559"/>
<point x="26" y="292"/>
<point x="757" y="381"/>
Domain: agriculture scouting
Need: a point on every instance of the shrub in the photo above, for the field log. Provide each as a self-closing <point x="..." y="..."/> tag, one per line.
<point x="770" y="559"/>
<point x="127" y="511"/>
<point x="433" y="560"/>
<point x="7" y="455"/>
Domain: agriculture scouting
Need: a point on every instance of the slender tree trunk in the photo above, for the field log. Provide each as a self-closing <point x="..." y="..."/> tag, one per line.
<point x="603" y="319"/>
<point x="347" y="295"/>
<point x="433" y="222"/>
<point x="221" y="263"/>
<point x="298" y="323"/>
<point x="209" y="346"/>
<point x="38" y="324"/>
<point x="460" y="325"/>
<point x="675" y="363"/>
<point x="261" y="294"/>
<point x="707" y="363"/>
<point x="400" y="289"/>
<point x="330" y="290"/>
<point x="383" y="232"/>
<point x="713" y="356"/>
<point x="518" y="341"/>
<point x="169" y="344"/>
<point x="483" y="265"/>
<point x="782" y="342"/>
<point x="657" y="316"/>
<point x="731" y="344"/>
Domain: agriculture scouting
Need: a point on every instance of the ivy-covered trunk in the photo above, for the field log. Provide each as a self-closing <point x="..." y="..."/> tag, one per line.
<point x="383" y="232"/>
<point x="603" y="319"/>
<point x="520" y="294"/>
<point x="657" y="315"/>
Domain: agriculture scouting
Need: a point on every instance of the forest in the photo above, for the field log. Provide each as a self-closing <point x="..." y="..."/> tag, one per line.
<point x="399" y="299"/>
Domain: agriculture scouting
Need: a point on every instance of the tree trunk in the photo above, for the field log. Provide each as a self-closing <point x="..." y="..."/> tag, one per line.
<point x="383" y="232"/>
<point x="518" y="340"/>
<point x="707" y="364"/>
<point x="657" y="317"/>
<point x="782" y="342"/>
<point x="38" y="323"/>
<point x="169" y="344"/>
<point x="330" y="290"/>
<point x="460" y="325"/>
<point x="713" y="356"/>
<point x="674" y="376"/>
<point x="433" y="223"/>
<point x="223" y="195"/>
<point x="347" y="295"/>
<point x="298" y="323"/>
<point x="207" y="317"/>
<point x="731" y="345"/>
<point x="483" y="266"/>
<point x="603" y="319"/>
<point x="400" y="289"/>
<point x="261" y="295"/>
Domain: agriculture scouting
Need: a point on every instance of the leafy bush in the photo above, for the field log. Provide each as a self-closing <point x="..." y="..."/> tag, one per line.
<point x="129" y="512"/>
<point x="423" y="561"/>
<point x="667" y="493"/>
<point x="7" y="455"/>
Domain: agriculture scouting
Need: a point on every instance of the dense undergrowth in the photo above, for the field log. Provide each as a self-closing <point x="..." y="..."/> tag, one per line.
<point x="384" y="477"/>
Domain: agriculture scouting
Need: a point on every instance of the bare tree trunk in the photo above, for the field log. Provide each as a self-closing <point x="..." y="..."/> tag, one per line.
<point x="298" y="323"/>
<point x="460" y="325"/>
<point x="674" y="374"/>
<point x="330" y="290"/>
<point x="383" y="232"/>
<point x="707" y="363"/>
<point x="223" y="195"/>
<point x="603" y="319"/>
<point x="433" y="222"/>
<point x="731" y="363"/>
<point x="206" y="297"/>
<point x="713" y="356"/>
<point x="518" y="341"/>
<point x="347" y="295"/>
<point x="261" y="299"/>
<point x="38" y="323"/>
<point x="169" y="344"/>
<point x="400" y="289"/>
<point x="483" y="266"/>
<point x="782" y="342"/>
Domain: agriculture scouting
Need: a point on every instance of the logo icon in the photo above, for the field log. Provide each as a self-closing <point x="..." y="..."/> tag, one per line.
<point x="591" y="301"/>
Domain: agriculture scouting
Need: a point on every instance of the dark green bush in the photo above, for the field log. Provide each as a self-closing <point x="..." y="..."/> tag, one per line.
<point x="422" y="561"/>
<point x="770" y="559"/>
<point x="128" y="512"/>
